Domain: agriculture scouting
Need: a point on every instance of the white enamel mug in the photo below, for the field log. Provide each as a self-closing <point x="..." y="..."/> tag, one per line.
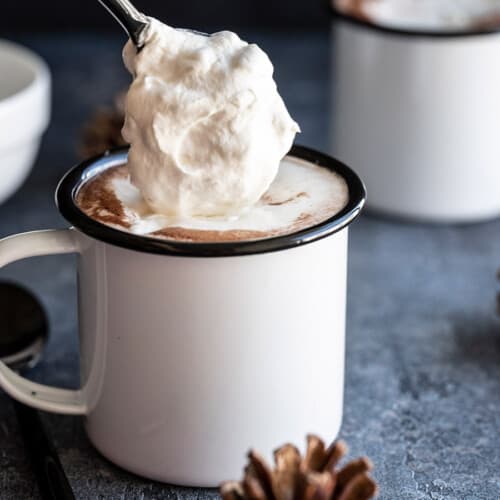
<point x="418" y="115"/>
<point x="190" y="354"/>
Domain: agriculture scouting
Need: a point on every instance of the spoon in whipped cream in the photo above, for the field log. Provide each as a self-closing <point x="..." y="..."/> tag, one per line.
<point x="206" y="124"/>
<point x="131" y="20"/>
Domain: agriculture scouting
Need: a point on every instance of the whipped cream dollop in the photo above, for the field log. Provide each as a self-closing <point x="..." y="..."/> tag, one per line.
<point x="206" y="124"/>
<point x="426" y="14"/>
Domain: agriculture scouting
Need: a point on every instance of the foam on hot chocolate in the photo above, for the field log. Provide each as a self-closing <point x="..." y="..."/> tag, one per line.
<point x="302" y="196"/>
<point x="425" y="14"/>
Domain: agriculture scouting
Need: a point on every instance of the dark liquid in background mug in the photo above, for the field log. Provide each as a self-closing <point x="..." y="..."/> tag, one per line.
<point x="425" y="14"/>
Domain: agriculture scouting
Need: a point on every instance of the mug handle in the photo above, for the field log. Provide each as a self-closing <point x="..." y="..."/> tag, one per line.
<point x="42" y="397"/>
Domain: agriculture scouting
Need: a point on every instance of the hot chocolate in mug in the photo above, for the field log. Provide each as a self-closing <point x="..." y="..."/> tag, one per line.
<point x="192" y="353"/>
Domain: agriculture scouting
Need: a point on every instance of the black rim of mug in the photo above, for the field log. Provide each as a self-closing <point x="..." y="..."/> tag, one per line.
<point x="423" y="33"/>
<point x="70" y="184"/>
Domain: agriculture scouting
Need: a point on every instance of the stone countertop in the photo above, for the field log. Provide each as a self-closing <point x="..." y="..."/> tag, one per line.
<point x="423" y="344"/>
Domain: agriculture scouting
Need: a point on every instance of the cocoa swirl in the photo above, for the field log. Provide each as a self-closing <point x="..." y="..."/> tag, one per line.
<point x="97" y="199"/>
<point x="355" y="8"/>
<point x="488" y="22"/>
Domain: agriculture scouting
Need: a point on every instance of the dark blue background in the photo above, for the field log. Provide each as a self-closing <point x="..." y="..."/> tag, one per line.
<point x="70" y="15"/>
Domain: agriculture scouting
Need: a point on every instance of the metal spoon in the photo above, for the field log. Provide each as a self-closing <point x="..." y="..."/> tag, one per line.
<point x="131" y="20"/>
<point x="23" y="335"/>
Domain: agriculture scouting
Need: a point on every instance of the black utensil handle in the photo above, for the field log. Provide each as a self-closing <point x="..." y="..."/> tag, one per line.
<point x="52" y="480"/>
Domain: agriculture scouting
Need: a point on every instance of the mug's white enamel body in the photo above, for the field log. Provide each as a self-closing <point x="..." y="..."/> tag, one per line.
<point x="418" y="115"/>
<point x="188" y="361"/>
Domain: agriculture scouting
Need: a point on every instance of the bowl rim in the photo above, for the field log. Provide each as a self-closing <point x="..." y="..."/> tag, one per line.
<point x="41" y="72"/>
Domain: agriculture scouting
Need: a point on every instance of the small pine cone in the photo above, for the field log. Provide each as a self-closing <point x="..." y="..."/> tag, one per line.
<point x="316" y="476"/>
<point x="104" y="129"/>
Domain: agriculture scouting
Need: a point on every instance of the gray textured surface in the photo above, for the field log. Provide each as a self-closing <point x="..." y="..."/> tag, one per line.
<point x="423" y="352"/>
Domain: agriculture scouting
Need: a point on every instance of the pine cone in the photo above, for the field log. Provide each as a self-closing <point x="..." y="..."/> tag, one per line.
<point x="104" y="129"/>
<point x="313" y="477"/>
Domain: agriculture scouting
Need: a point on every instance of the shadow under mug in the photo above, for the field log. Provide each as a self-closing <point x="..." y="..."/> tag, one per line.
<point x="192" y="353"/>
<point x="417" y="113"/>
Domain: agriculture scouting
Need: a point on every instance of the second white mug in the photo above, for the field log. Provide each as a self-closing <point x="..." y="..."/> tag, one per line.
<point x="418" y="115"/>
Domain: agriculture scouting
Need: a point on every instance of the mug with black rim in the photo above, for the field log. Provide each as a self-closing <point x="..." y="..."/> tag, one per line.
<point x="191" y="353"/>
<point x="417" y="113"/>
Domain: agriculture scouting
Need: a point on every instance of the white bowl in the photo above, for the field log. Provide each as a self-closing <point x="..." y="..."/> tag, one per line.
<point x="24" y="113"/>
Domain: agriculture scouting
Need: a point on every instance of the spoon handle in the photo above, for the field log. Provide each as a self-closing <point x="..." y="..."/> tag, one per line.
<point x="52" y="481"/>
<point x="132" y="21"/>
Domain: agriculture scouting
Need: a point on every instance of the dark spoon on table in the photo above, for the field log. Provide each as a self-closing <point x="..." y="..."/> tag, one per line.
<point x="23" y="335"/>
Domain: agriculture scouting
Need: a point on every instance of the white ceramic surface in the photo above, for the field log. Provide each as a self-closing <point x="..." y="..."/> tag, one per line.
<point x="418" y="117"/>
<point x="189" y="361"/>
<point x="24" y="113"/>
